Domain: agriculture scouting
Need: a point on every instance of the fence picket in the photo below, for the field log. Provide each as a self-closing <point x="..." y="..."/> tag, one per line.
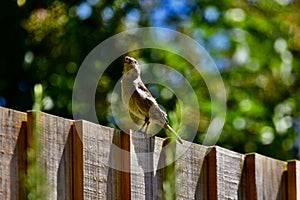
<point x="293" y="180"/>
<point x="54" y="156"/>
<point x="12" y="153"/>
<point x="191" y="171"/>
<point x="83" y="160"/>
<point x="264" y="177"/>
<point x="104" y="159"/>
<point x="224" y="173"/>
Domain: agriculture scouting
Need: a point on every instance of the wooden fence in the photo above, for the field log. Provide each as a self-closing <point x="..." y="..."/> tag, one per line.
<point x="83" y="160"/>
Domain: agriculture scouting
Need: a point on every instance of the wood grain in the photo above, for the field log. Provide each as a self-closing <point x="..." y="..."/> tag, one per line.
<point x="191" y="179"/>
<point x="54" y="154"/>
<point x="104" y="159"/>
<point x="293" y="180"/>
<point x="145" y="166"/>
<point x="77" y="161"/>
<point x="12" y="153"/>
<point x="264" y="178"/>
<point x="83" y="160"/>
<point x="224" y="173"/>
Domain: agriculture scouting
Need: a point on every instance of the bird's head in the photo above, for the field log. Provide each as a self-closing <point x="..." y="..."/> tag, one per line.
<point x="131" y="66"/>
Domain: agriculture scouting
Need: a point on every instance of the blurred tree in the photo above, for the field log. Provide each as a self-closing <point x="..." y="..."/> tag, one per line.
<point x="254" y="43"/>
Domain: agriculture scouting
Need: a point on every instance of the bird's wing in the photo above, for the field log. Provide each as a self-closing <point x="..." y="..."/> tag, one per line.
<point x="155" y="113"/>
<point x="141" y="100"/>
<point x="143" y="90"/>
<point x="146" y="105"/>
<point x="139" y="105"/>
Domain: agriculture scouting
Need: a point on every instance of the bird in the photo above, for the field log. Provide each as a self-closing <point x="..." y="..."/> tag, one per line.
<point x="138" y="99"/>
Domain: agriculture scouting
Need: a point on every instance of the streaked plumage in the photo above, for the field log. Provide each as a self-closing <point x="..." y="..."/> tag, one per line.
<point x="139" y="100"/>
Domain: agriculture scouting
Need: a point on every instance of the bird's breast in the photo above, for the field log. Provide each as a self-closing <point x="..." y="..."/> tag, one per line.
<point x="127" y="89"/>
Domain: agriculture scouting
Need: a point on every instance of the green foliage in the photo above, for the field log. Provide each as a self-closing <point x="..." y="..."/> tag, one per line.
<point x="254" y="43"/>
<point x="35" y="178"/>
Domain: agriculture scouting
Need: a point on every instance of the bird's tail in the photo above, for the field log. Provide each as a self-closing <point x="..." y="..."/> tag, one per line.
<point x="166" y="126"/>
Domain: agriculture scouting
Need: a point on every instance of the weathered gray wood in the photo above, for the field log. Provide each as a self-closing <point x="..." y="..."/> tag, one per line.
<point x="105" y="155"/>
<point x="144" y="165"/>
<point x="12" y="153"/>
<point x="264" y="178"/>
<point x="54" y="154"/>
<point x="293" y="180"/>
<point x="83" y="160"/>
<point x="224" y="173"/>
<point x="191" y="179"/>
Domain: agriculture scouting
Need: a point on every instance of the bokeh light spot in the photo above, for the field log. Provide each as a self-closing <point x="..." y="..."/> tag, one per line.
<point x="84" y="11"/>
<point x="107" y="13"/>
<point x="211" y="14"/>
<point x="48" y="103"/>
<point x="236" y="14"/>
<point x="29" y="56"/>
<point x="267" y="135"/>
<point x="239" y="123"/>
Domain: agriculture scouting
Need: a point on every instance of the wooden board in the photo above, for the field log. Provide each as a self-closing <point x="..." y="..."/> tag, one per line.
<point x="264" y="178"/>
<point x="105" y="163"/>
<point x="191" y="167"/>
<point x="12" y="153"/>
<point x="83" y="160"/>
<point x="224" y="173"/>
<point x="293" y="180"/>
<point x="54" y="153"/>
<point x="145" y="167"/>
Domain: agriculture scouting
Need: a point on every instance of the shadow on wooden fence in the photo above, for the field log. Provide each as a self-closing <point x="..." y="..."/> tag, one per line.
<point x="83" y="160"/>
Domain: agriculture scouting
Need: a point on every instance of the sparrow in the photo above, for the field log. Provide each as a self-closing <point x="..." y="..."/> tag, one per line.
<point x="138" y="99"/>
